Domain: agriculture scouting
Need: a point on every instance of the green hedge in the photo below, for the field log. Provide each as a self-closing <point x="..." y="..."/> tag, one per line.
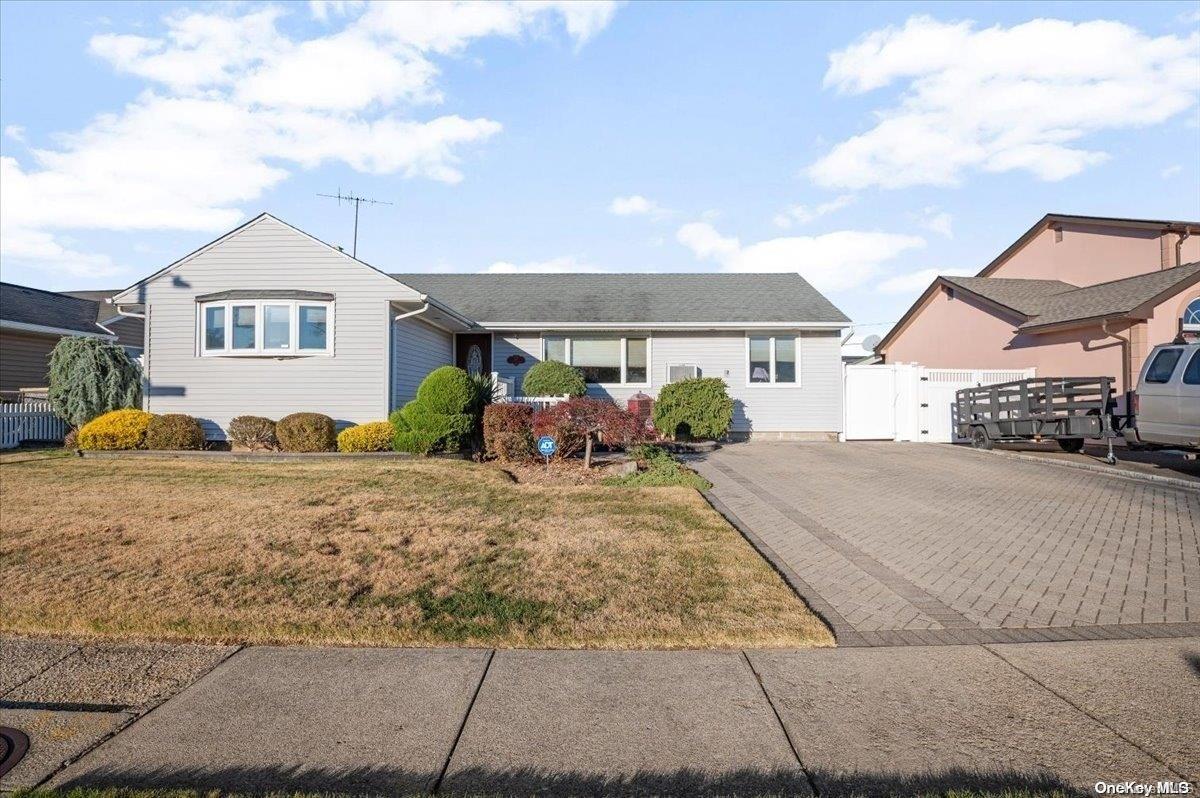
<point x="551" y="378"/>
<point x="306" y="432"/>
<point x="443" y="417"/>
<point x="699" y="408"/>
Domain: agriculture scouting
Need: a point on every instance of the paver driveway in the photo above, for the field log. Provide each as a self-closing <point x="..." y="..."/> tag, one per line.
<point x="917" y="543"/>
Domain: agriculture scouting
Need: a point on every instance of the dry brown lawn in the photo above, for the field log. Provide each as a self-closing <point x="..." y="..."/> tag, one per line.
<point x="376" y="553"/>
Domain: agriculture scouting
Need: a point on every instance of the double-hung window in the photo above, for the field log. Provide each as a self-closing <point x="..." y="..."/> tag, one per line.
<point x="772" y="360"/>
<point x="276" y="327"/>
<point x="605" y="360"/>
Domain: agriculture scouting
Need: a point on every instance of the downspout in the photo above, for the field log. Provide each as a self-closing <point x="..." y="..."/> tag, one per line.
<point x="1126" y="361"/>
<point x="1184" y="234"/>
<point x="412" y="313"/>
<point x="129" y="313"/>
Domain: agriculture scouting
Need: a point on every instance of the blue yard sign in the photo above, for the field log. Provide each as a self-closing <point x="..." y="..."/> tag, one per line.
<point x="546" y="446"/>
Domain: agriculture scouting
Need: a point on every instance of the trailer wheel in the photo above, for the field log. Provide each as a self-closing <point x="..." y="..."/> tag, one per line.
<point x="980" y="439"/>
<point x="1073" y="445"/>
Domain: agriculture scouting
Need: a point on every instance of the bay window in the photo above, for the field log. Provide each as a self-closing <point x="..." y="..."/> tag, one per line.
<point x="772" y="360"/>
<point x="274" y="327"/>
<point x="605" y="360"/>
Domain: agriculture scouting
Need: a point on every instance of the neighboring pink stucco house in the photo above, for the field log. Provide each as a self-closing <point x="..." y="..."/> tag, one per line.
<point x="1074" y="296"/>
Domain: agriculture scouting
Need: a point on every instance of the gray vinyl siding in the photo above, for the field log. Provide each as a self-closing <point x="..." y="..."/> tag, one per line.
<point x="24" y="359"/>
<point x="417" y="349"/>
<point x="813" y="406"/>
<point x="353" y="385"/>
<point x="524" y="345"/>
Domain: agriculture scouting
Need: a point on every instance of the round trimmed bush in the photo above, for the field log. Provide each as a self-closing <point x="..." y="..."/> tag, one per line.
<point x="119" y="429"/>
<point x="551" y="378"/>
<point x="446" y="390"/>
<point x="443" y="417"/>
<point x="174" y="431"/>
<point x="253" y="432"/>
<point x="697" y="408"/>
<point x="306" y="432"/>
<point x="373" y="437"/>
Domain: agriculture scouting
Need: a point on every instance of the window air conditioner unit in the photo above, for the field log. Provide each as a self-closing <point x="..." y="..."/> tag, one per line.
<point x="677" y="373"/>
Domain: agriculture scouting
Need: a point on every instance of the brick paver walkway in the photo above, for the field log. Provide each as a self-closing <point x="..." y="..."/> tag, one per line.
<point x="911" y="544"/>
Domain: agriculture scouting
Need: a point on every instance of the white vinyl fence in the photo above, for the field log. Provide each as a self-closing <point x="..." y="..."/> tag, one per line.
<point x="29" y="421"/>
<point x="506" y="392"/>
<point x="538" y="402"/>
<point x="909" y="402"/>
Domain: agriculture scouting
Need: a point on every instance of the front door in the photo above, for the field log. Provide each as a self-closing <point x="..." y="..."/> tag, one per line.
<point x="473" y="353"/>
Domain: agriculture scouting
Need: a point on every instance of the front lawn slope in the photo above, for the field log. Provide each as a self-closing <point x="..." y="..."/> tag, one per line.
<point x="412" y="553"/>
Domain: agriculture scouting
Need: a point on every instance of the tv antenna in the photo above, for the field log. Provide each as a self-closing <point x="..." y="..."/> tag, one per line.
<point x="340" y="197"/>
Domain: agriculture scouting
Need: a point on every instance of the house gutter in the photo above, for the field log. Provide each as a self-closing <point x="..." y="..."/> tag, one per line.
<point x="41" y="329"/>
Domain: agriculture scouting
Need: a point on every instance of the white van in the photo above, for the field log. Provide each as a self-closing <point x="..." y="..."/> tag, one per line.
<point x="1167" y="402"/>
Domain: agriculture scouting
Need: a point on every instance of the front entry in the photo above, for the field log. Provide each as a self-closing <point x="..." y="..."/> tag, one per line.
<point x="473" y="353"/>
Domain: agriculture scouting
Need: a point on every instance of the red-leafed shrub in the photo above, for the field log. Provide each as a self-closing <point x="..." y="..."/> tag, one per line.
<point x="571" y="423"/>
<point x="508" y="431"/>
<point x="557" y="422"/>
<point x="618" y="428"/>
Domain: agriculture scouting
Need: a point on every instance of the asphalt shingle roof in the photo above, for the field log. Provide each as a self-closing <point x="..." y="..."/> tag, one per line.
<point x="1109" y="299"/>
<point x="130" y="330"/>
<point x="47" y="309"/>
<point x="632" y="298"/>
<point x="1024" y="296"/>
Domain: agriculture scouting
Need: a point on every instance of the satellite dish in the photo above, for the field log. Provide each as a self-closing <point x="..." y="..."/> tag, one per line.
<point x="870" y="342"/>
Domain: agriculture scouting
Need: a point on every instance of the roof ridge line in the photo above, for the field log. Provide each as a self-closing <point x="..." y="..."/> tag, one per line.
<point x="1135" y="276"/>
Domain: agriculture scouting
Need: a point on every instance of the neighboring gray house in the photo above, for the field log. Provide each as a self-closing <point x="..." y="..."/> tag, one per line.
<point x="32" y="321"/>
<point x="268" y="320"/>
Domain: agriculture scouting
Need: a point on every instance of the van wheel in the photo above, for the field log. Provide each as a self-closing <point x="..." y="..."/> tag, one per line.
<point x="980" y="439"/>
<point x="1073" y="445"/>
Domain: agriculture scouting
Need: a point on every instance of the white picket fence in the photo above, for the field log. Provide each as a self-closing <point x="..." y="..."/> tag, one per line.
<point x="29" y="421"/>
<point x="538" y="402"/>
<point x="506" y="390"/>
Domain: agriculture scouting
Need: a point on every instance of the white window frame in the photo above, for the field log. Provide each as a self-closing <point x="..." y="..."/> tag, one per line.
<point x="771" y="338"/>
<point x="259" y="350"/>
<point x="624" y="383"/>
<point x="1190" y="326"/>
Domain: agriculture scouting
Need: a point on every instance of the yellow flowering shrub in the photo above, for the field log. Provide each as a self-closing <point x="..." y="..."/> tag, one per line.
<point x="120" y="429"/>
<point x="373" y="437"/>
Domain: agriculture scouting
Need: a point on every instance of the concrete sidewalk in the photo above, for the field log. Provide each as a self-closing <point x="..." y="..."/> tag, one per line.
<point x="833" y="721"/>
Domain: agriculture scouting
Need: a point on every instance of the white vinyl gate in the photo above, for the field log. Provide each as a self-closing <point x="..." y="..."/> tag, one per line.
<point x="908" y="402"/>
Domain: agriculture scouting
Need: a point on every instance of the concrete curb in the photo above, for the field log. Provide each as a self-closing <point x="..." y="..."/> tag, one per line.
<point x="1110" y="471"/>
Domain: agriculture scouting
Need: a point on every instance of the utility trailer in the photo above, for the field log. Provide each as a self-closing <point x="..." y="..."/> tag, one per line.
<point x="1063" y="409"/>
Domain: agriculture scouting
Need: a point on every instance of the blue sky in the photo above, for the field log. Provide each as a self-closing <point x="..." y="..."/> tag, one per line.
<point x="866" y="146"/>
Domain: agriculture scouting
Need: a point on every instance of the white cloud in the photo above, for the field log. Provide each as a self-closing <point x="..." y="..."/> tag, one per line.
<point x="937" y="221"/>
<point x="567" y="264"/>
<point x="235" y="105"/>
<point x="831" y="262"/>
<point x="1000" y="99"/>
<point x="1172" y="170"/>
<point x="804" y="214"/>
<point x="914" y="282"/>
<point x="322" y="10"/>
<point x="15" y="132"/>
<point x="636" y="205"/>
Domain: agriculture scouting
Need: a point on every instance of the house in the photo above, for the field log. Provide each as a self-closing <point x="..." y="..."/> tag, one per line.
<point x="32" y="321"/>
<point x="1073" y="296"/>
<point x="268" y="320"/>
